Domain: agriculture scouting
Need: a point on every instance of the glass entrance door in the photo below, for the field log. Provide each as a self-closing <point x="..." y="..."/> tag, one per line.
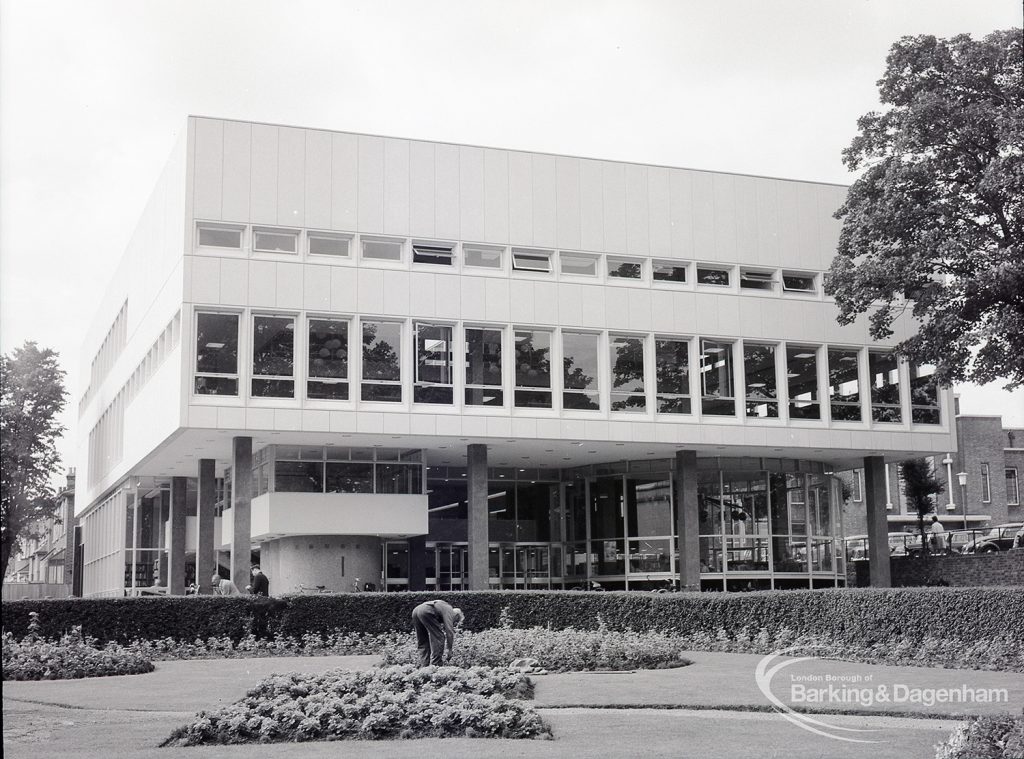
<point x="451" y="567"/>
<point x="631" y="530"/>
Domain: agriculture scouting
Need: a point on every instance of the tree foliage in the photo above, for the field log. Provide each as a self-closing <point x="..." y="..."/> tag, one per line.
<point x="919" y="485"/>
<point x="32" y="396"/>
<point x="935" y="222"/>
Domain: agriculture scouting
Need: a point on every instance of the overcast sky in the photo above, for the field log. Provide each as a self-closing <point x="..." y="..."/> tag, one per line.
<point x="93" y="95"/>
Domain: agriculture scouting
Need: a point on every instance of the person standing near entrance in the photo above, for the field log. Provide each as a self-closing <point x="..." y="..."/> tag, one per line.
<point x="260" y="585"/>
<point x="938" y="535"/>
<point x="435" y="623"/>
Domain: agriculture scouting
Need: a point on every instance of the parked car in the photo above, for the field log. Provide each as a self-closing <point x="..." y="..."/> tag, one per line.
<point x="999" y="538"/>
<point x="1018" y="541"/>
<point x="900" y="544"/>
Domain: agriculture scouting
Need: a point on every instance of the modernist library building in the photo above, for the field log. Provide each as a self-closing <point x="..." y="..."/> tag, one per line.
<point x="373" y="363"/>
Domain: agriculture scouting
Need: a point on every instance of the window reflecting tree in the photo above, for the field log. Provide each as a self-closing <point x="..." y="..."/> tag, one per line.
<point x="627" y="357"/>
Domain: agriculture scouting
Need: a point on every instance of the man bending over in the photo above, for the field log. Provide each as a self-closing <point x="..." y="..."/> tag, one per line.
<point x="435" y="623"/>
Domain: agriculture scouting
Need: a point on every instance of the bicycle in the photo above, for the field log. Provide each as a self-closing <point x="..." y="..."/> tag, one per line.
<point x="305" y="590"/>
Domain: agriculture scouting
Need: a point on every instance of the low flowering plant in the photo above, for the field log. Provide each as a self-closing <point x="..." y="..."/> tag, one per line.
<point x="382" y="703"/>
<point x="71" y="656"/>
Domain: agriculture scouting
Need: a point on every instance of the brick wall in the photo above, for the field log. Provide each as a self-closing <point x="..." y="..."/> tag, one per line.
<point x="1004" y="568"/>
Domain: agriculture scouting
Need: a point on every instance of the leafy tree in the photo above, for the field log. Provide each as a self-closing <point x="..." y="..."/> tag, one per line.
<point x="32" y="395"/>
<point x="919" y="485"/>
<point x="935" y="222"/>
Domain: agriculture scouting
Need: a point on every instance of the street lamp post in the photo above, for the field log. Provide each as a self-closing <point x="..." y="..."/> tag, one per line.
<point x="962" y="476"/>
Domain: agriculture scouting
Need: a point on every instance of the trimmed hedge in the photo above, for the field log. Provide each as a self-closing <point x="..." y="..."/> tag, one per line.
<point x="864" y="616"/>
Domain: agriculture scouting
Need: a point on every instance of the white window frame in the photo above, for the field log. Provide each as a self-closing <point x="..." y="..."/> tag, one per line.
<point x="298" y="349"/>
<point x="986" y="483"/>
<point x="1011" y="476"/>
<point x="316" y="234"/>
<point x="612" y="262"/>
<point x="437" y="250"/>
<point x="662" y="263"/>
<point x="760" y="277"/>
<point x="807" y="274"/>
<point x="397" y="241"/>
<point x="469" y="249"/>
<point x="529" y="256"/>
<point x="239" y="358"/>
<point x="220" y="227"/>
<point x="280" y="232"/>
<point x="565" y="255"/>
<point x="416" y="381"/>
<point x="307" y="377"/>
<point x="728" y="270"/>
<point x="403" y="367"/>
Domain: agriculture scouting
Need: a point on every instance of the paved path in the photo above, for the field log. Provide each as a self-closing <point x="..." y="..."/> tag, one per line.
<point x="126" y="717"/>
<point x="727" y="680"/>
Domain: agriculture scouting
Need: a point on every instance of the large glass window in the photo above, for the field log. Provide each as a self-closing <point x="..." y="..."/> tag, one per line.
<point x="718" y="397"/>
<point x="924" y="395"/>
<point x="382" y="362"/>
<point x="533" y="369"/>
<point x="303" y="469"/>
<point x="843" y="385"/>
<point x="328" y="360"/>
<point x="216" y="354"/>
<point x="434" y="383"/>
<point x="273" y="356"/>
<point x="672" y="375"/>
<point x="627" y="363"/>
<point x="986" y="484"/>
<point x="762" y="390"/>
<point x="883" y="369"/>
<point x="483" y="367"/>
<point x="580" y="373"/>
<point x="802" y="375"/>
<point x="1012" y="488"/>
<point x="349" y="477"/>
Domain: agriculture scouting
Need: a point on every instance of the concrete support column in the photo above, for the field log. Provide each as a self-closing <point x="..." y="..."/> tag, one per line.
<point x="206" y="552"/>
<point x="418" y="563"/>
<point x="241" y="509"/>
<point x="876" y="495"/>
<point x="165" y="517"/>
<point x="476" y="480"/>
<point x="687" y="520"/>
<point x="176" y="555"/>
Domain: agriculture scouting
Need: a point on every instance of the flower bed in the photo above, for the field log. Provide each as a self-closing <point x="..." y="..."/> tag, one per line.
<point x="383" y="703"/>
<point x="335" y="643"/>
<point x="985" y="738"/>
<point x="556" y="650"/>
<point x="72" y="656"/>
